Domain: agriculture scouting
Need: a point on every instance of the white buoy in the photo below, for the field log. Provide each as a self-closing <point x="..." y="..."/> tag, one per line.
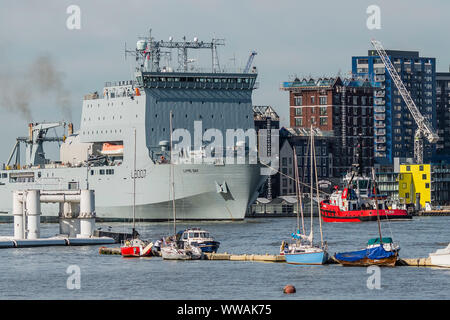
<point x="18" y="216"/>
<point x="87" y="213"/>
<point x="33" y="206"/>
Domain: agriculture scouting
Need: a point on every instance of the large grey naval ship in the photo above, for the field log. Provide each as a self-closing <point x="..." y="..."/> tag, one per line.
<point x="125" y="133"/>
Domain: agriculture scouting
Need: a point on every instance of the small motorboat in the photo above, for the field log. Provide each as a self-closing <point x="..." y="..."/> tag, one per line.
<point x="200" y="238"/>
<point x="378" y="252"/>
<point x="171" y="251"/>
<point x="136" y="248"/>
<point x="441" y="258"/>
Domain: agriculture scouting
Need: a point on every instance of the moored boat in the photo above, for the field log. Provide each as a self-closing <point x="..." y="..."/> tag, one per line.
<point x="136" y="248"/>
<point x="441" y="257"/>
<point x="172" y="248"/>
<point x="303" y="251"/>
<point x="356" y="201"/>
<point x="200" y="238"/>
<point x="380" y="253"/>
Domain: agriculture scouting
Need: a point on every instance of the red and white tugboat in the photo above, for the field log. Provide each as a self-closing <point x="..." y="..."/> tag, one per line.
<point x="356" y="201"/>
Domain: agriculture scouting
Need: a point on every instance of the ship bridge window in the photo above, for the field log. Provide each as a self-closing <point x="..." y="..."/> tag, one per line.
<point x="4" y="175"/>
<point x="21" y="177"/>
<point x="102" y="171"/>
<point x="109" y="171"/>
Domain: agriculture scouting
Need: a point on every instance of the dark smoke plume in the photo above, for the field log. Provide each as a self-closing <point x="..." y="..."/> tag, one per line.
<point x="41" y="80"/>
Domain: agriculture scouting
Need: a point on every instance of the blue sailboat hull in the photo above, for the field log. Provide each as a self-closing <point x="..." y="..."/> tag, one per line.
<point x="307" y="258"/>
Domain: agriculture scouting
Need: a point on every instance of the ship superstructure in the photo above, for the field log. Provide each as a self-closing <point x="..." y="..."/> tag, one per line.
<point x="100" y="155"/>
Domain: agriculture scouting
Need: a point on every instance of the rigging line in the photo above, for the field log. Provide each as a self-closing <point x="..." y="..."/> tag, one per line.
<point x="318" y="204"/>
<point x="293" y="178"/>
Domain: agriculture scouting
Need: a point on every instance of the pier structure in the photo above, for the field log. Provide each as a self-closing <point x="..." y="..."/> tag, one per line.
<point x="76" y="219"/>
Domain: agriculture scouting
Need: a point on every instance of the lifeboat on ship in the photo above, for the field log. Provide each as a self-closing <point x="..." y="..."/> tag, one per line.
<point x="112" y="149"/>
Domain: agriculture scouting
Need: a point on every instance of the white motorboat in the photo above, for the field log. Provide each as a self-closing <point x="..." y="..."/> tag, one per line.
<point x="172" y="252"/>
<point x="441" y="257"/>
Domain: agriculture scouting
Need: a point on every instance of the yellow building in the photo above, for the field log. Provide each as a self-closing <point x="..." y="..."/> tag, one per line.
<point x="414" y="181"/>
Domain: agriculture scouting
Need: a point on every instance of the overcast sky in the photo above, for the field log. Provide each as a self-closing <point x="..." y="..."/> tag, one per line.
<point x="302" y="38"/>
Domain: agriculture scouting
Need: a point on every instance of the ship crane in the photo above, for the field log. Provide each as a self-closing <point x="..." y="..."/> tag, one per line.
<point x="34" y="143"/>
<point x="424" y="128"/>
<point x="249" y="62"/>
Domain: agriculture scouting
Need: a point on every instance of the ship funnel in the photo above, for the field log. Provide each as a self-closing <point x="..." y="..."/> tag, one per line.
<point x="30" y="131"/>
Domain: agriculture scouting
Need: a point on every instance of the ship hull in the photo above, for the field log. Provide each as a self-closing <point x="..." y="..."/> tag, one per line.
<point x="196" y="194"/>
<point x="332" y="213"/>
<point x="307" y="258"/>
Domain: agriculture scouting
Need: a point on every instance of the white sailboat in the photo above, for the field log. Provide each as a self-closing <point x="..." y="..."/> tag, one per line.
<point x="303" y="251"/>
<point x="171" y="248"/>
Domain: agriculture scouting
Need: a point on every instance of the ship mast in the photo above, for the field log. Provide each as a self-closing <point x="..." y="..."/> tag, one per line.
<point x="134" y="185"/>
<point x="376" y="203"/>
<point x="172" y="182"/>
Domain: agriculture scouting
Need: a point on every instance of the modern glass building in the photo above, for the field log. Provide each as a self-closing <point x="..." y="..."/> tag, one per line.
<point x="394" y="126"/>
<point x="443" y="116"/>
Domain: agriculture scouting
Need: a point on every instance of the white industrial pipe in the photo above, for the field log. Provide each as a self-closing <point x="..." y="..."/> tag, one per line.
<point x="76" y="212"/>
<point x="33" y="214"/>
<point x="68" y="224"/>
<point x="87" y="213"/>
<point x="18" y="216"/>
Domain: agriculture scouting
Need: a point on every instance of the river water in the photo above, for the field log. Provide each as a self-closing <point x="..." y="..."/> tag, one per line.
<point x="41" y="273"/>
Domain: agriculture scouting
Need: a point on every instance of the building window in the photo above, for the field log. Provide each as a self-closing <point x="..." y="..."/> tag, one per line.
<point x="298" y="101"/>
<point x="298" y="111"/>
<point x="408" y="168"/>
<point x="323" y="121"/>
<point x="298" y="122"/>
<point x="313" y="100"/>
<point x="323" y="111"/>
<point x="421" y="168"/>
<point x="424" y="176"/>
<point x="323" y="100"/>
<point x="427" y="185"/>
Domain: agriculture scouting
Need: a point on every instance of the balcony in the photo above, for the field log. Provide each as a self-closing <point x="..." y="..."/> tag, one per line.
<point x="379" y="109"/>
<point x="379" y="94"/>
<point x="379" y="102"/>
<point x="379" y="116"/>
<point x="380" y="140"/>
<point x="380" y="148"/>
<point x="380" y="132"/>
<point x="380" y="78"/>
<point x="380" y="70"/>
<point x="380" y="124"/>
<point x="380" y="154"/>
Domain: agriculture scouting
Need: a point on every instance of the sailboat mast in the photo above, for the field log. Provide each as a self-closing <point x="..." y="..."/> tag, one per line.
<point x="298" y="194"/>
<point x="317" y="190"/>
<point x="134" y="184"/>
<point x="311" y="191"/>
<point x="376" y="203"/>
<point x="172" y="180"/>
